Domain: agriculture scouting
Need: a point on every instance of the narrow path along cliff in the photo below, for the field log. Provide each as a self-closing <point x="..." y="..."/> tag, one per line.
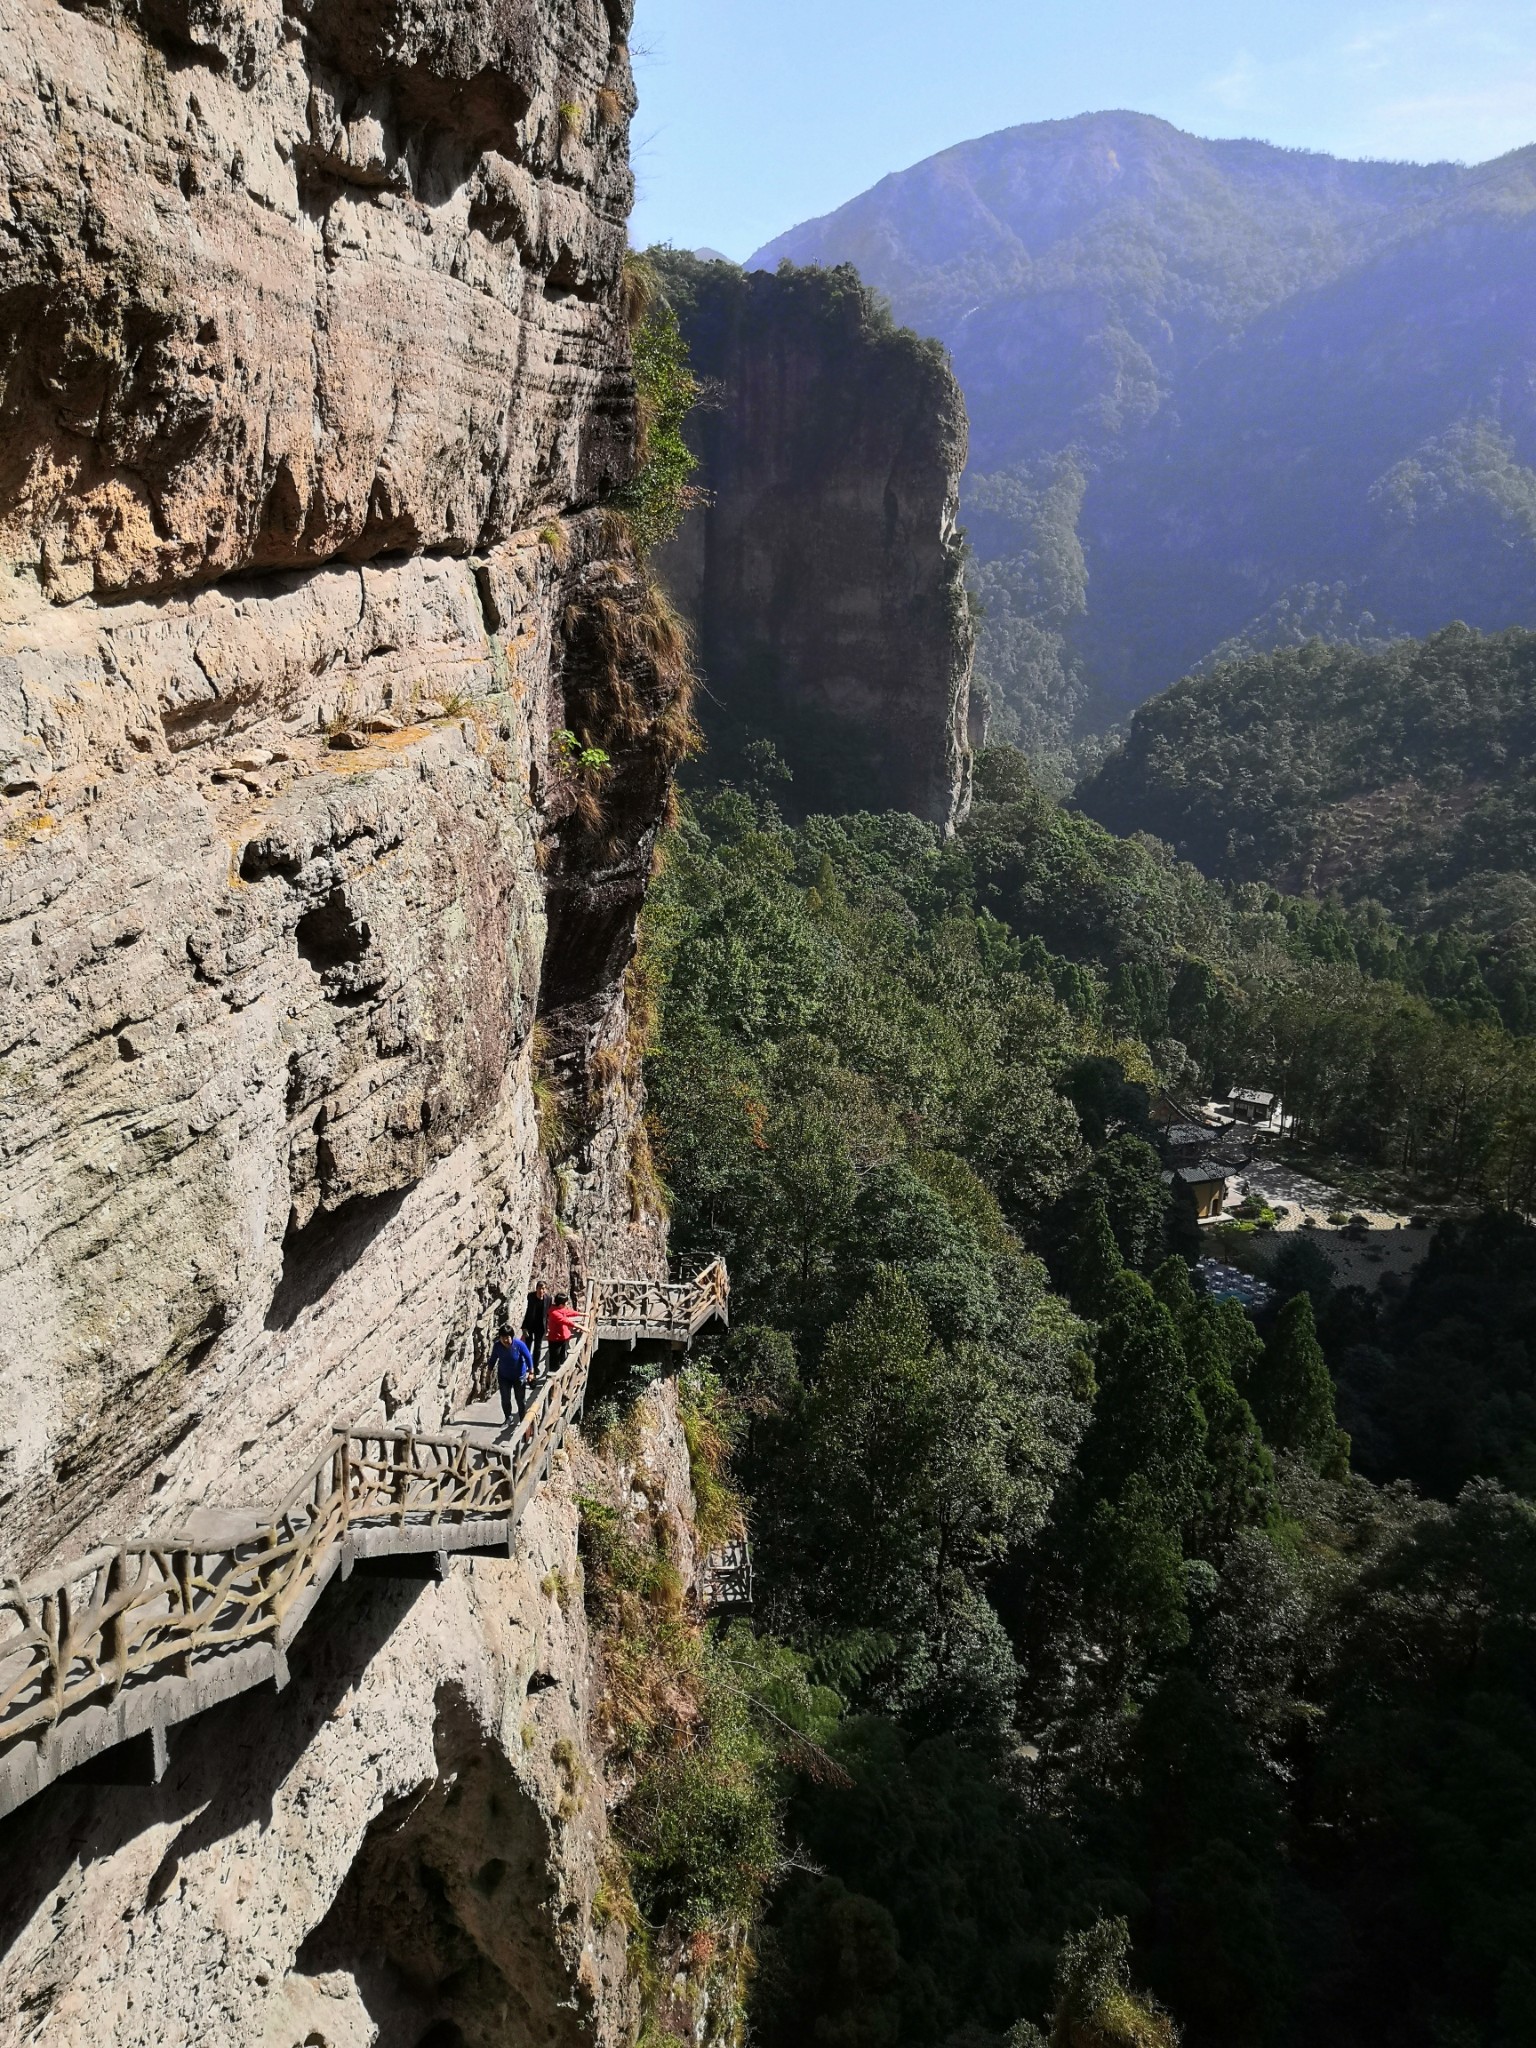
<point x="99" y="1657"/>
<point x="318" y="409"/>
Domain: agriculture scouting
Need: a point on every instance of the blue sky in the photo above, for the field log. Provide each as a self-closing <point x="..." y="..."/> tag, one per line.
<point x="756" y="114"/>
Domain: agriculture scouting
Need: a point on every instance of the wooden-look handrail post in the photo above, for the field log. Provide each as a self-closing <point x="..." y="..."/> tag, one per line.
<point x="114" y="1634"/>
<point x="181" y="1575"/>
<point x="405" y="1459"/>
<point x="56" y="1620"/>
<point x="342" y="1468"/>
<point x="271" y="1582"/>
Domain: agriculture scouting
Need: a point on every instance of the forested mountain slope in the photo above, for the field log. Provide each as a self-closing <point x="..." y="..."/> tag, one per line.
<point x="1124" y="1682"/>
<point x="1217" y="389"/>
<point x="1406" y="776"/>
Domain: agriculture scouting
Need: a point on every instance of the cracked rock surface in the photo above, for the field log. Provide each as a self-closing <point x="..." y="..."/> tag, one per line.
<point x="311" y="366"/>
<point x="314" y="375"/>
<point x="282" y="280"/>
<point x="411" y="1837"/>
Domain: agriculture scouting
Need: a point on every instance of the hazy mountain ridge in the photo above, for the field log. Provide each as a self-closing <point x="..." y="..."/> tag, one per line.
<point x="1268" y="369"/>
<point x="1407" y="776"/>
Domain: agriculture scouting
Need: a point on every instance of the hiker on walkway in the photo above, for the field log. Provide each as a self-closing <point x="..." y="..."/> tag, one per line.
<point x="514" y="1371"/>
<point x="536" y="1322"/>
<point x="564" y="1322"/>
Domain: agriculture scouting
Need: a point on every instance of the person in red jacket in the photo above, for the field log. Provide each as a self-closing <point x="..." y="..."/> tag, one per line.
<point x="564" y="1322"/>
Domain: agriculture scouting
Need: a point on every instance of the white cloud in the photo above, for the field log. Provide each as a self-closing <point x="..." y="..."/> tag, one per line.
<point x="1474" y="124"/>
<point x="1237" y="86"/>
<point x="1393" y="80"/>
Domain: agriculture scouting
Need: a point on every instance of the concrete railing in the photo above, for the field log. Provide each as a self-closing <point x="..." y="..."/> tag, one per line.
<point x="104" y="1653"/>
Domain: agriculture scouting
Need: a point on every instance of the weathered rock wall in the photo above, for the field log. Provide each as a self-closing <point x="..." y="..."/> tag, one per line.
<point x="314" y="378"/>
<point x="823" y="574"/>
<point x="410" y="1844"/>
<point x="312" y="370"/>
<point x="282" y="280"/>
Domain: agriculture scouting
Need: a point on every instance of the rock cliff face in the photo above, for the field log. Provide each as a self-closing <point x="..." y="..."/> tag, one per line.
<point x="823" y="576"/>
<point x="407" y="1845"/>
<point x="314" y="375"/>
<point x="311" y="368"/>
<point x="287" y="280"/>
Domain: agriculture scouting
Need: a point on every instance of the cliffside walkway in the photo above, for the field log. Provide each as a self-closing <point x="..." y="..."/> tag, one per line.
<point x="100" y="1656"/>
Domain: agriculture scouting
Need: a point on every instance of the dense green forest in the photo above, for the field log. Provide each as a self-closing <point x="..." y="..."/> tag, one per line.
<point x="1403" y="778"/>
<point x="1114" y="1702"/>
<point x="1219" y="393"/>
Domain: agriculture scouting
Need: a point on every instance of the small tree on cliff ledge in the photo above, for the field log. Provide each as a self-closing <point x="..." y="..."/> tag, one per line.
<point x="661" y="492"/>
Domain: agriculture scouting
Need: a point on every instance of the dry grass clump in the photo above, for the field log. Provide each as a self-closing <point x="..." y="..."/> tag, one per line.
<point x="638" y="289"/>
<point x="614" y="1900"/>
<point x="629" y="667"/>
<point x="652" y="1652"/>
<point x="549" y="1104"/>
<point x="616" y="1073"/>
<point x="644" y="1185"/>
<point x="708" y="1427"/>
<point x="642" y="1002"/>
<point x="605" y="1067"/>
<point x="587" y="804"/>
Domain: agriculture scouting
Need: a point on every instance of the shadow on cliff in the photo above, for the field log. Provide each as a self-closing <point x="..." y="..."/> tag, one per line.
<point x="317" y="1253"/>
<point x="224" y="1765"/>
<point x="446" y="1920"/>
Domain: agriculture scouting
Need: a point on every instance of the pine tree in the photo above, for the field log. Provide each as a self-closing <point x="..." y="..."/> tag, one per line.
<point x="1293" y="1392"/>
<point x="1095" y="1263"/>
<point x="1172" y="1286"/>
<point x="1240" y="1491"/>
<point x="1146" y="1419"/>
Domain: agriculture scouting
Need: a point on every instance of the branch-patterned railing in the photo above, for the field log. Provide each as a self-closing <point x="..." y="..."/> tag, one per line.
<point x="160" y="1608"/>
<point x="675" y="1309"/>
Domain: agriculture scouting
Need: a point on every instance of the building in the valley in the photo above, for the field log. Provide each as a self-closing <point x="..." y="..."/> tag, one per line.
<point x="1207" y="1182"/>
<point x="1256" y="1106"/>
<point x="1188" y="1142"/>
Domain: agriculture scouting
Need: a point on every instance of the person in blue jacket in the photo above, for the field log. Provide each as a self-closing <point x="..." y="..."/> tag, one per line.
<point x="514" y="1369"/>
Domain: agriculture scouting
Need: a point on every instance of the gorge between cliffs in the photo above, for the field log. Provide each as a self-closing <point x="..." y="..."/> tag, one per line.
<point x="1022" y="1532"/>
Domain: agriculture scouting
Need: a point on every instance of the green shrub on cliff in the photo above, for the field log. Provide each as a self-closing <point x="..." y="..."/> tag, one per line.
<point x="662" y="490"/>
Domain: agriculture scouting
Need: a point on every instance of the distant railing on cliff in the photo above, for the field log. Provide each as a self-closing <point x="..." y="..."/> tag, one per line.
<point x="674" y="1310"/>
<point x="114" y="1647"/>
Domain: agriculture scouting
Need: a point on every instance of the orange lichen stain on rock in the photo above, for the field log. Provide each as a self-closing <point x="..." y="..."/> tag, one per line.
<point x="22" y="830"/>
<point x="349" y="760"/>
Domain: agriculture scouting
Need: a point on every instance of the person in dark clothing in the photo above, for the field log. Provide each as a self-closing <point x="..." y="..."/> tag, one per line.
<point x="514" y="1371"/>
<point x="536" y="1322"/>
<point x="563" y="1325"/>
